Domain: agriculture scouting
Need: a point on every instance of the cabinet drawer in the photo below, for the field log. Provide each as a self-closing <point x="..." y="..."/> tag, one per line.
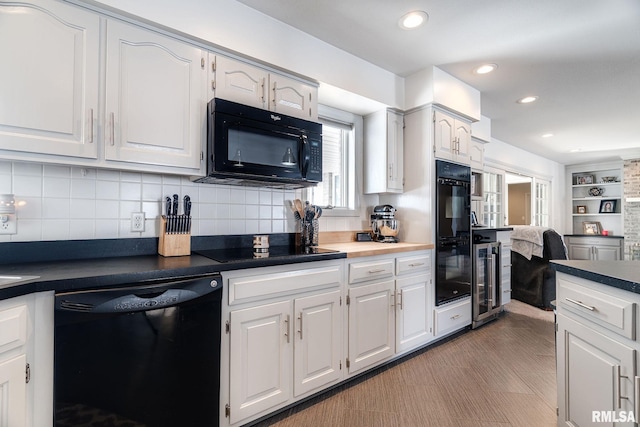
<point x="13" y="327"/>
<point x="413" y="263"/>
<point x="452" y="317"/>
<point x="613" y="313"/>
<point x="363" y="271"/>
<point x="251" y="288"/>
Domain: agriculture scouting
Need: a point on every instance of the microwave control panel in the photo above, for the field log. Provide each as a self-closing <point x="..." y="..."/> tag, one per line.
<point x="315" y="161"/>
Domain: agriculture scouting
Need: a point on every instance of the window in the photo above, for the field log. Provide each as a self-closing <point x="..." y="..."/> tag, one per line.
<point x="541" y="213"/>
<point x="492" y="184"/>
<point x="336" y="194"/>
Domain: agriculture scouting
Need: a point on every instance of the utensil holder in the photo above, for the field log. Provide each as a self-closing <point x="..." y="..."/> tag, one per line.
<point x="173" y="242"/>
<point x="307" y="235"/>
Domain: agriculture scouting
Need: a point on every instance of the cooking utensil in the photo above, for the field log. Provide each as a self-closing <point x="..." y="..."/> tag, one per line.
<point x="298" y="205"/>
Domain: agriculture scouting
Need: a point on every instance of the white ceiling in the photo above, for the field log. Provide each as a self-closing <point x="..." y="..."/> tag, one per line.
<point x="581" y="57"/>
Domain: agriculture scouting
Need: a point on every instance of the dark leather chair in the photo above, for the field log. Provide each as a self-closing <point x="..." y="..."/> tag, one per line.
<point x="534" y="281"/>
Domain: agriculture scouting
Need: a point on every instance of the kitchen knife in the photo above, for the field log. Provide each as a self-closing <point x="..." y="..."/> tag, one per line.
<point x="174" y="214"/>
<point x="187" y="213"/>
<point x="168" y="209"/>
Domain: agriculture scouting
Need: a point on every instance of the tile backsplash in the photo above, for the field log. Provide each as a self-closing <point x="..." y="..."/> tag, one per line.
<point x="68" y="203"/>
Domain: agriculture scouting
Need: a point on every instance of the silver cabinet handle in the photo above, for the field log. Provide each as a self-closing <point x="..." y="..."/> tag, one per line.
<point x="579" y="303"/>
<point x="636" y="404"/>
<point x="113" y="128"/>
<point x="401" y="299"/>
<point x="416" y="264"/>
<point x="90" y="125"/>
<point x="300" y="318"/>
<point x="619" y="377"/>
<point x="380" y="270"/>
<point x="262" y="89"/>
<point x="286" y="334"/>
<point x="455" y="317"/>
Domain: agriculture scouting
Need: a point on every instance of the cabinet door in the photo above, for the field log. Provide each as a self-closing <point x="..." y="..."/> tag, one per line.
<point x="395" y="145"/>
<point x="476" y="154"/>
<point x="595" y="373"/>
<point x="293" y="98"/>
<point x="240" y="82"/>
<point x="462" y="141"/>
<point x="317" y="349"/>
<point x="444" y="134"/>
<point x="260" y="359"/>
<point x="371" y="324"/>
<point x="50" y="91"/>
<point x="412" y="321"/>
<point x="155" y="98"/>
<point x="14" y="392"/>
<point x="606" y="253"/>
<point x="577" y="251"/>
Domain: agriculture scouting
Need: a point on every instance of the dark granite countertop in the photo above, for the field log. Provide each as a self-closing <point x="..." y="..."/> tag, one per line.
<point x="483" y="228"/>
<point x="619" y="274"/>
<point x="64" y="266"/>
<point x="609" y="236"/>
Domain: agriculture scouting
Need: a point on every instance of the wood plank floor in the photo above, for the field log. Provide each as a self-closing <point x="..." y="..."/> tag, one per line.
<point x="501" y="374"/>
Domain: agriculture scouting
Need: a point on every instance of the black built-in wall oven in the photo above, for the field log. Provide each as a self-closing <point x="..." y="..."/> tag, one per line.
<point x="453" y="235"/>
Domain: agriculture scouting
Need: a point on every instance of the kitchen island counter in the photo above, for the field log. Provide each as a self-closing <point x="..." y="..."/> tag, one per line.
<point x="624" y="275"/>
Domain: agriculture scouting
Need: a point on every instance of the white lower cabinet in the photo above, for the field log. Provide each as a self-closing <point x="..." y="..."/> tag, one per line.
<point x="371" y="324"/>
<point x="317" y="349"/>
<point x="452" y="317"/>
<point x="287" y="333"/>
<point x="261" y="359"/>
<point x="390" y="313"/>
<point x="412" y="312"/>
<point x="284" y="337"/>
<point x="597" y="348"/>
<point x="26" y="360"/>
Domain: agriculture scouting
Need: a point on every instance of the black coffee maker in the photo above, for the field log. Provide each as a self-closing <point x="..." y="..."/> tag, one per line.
<point x="384" y="224"/>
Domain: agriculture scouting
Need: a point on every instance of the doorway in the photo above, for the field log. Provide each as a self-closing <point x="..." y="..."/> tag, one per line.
<point x="518" y="199"/>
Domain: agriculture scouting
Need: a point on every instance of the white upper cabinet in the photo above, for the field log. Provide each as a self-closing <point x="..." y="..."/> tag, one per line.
<point x="452" y="138"/>
<point x="292" y="97"/>
<point x="49" y="78"/>
<point x="155" y="98"/>
<point x="384" y="152"/>
<point x="239" y="82"/>
<point x="246" y="84"/>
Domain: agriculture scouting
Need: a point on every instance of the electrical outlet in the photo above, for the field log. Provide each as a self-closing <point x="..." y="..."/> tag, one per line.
<point x="137" y="221"/>
<point x="8" y="224"/>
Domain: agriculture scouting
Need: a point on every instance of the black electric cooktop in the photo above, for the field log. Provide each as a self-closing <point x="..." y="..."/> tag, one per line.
<point x="247" y="254"/>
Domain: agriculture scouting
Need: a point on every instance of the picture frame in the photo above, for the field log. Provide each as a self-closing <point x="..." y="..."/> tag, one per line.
<point x="608" y="206"/>
<point x="581" y="209"/>
<point x="592" y="227"/>
<point x="585" y="179"/>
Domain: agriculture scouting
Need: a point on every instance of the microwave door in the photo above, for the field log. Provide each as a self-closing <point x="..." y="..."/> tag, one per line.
<point x="254" y="150"/>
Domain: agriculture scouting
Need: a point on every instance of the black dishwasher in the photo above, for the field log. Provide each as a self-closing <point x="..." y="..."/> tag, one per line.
<point x="147" y="354"/>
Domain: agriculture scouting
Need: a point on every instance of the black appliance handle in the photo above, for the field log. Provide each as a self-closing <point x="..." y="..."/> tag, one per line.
<point x="306" y="155"/>
<point x="139" y="296"/>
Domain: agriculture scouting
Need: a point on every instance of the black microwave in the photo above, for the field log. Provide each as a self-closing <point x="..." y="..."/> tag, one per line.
<point x="252" y="146"/>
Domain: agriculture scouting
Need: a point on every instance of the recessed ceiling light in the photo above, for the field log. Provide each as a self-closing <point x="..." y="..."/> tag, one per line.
<point x="547" y="135"/>
<point x="485" y="68"/>
<point x="527" y="99"/>
<point x="413" y="20"/>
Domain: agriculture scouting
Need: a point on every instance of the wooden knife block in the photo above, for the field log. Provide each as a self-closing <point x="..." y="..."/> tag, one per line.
<point x="173" y="244"/>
